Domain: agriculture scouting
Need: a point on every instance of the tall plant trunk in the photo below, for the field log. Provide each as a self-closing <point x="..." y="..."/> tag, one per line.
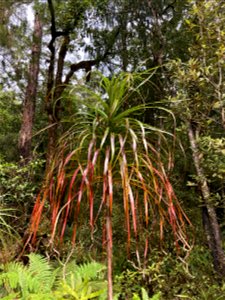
<point x="25" y="135"/>
<point x="210" y="221"/>
<point x="124" y="53"/>
<point x="109" y="250"/>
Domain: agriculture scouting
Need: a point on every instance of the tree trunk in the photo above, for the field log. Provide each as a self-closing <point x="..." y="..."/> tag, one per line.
<point x="25" y="135"/>
<point x="210" y="221"/>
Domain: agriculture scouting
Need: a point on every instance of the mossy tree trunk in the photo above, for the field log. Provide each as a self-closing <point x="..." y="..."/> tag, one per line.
<point x="210" y="221"/>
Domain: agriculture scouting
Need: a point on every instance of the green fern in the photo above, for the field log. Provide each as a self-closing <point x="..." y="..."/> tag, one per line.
<point x="90" y="270"/>
<point x="34" y="281"/>
<point x="82" y="282"/>
<point x="42" y="272"/>
<point x="39" y="280"/>
<point x="10" y="278"/>
<point x="86" y="271"/>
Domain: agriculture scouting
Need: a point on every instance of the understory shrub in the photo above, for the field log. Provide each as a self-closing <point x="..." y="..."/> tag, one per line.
<point x="18" y="188"/>
<point x="166" y="277"/>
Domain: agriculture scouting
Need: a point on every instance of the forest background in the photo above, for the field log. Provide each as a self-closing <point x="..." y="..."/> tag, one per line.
<point x="112" y="149"/>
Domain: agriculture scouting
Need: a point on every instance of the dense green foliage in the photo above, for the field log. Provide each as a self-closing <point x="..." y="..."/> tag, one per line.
<point x="10" y="118"/>
<point x="126" y="164"/>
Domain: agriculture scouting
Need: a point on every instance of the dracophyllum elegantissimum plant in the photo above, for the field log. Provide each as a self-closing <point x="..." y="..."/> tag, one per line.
<point x="106" y="146"/>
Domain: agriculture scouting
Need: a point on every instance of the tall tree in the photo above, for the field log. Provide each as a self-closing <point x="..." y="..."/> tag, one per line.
<point x="25" y="135"/>
<point x="200" y="87"/>
<point x="149" y="32"/>
<point x="15" y="36"/>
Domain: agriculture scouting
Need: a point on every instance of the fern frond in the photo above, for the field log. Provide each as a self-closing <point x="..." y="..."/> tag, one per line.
<point x="90" y="270"/>
<point x="82" y="281"/>
<point x="25" y="282"/>
<point x="42" y="273"/>
<point x="10" y="277"/>
<point x="38" y="280"/>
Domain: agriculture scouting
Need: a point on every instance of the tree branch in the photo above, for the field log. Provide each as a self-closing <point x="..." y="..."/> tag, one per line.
<point x="88" y="64"/>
